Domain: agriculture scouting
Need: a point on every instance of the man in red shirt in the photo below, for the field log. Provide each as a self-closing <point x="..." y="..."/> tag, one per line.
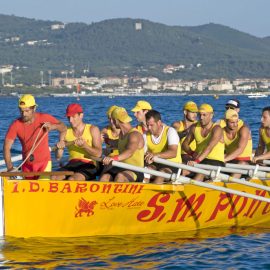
<point x="32" y="129"/>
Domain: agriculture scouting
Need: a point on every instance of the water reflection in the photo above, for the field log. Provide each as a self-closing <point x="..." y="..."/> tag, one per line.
<point x="143" y="251"/>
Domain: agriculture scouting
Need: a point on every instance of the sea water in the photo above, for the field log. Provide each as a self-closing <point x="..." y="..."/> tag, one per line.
<point x="234" y="248"/>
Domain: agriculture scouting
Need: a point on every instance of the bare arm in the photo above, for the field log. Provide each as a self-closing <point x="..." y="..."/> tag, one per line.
<point x="103" y="134"/>
<point x="176" y="125"/>
<point x="171" y="152"/>
<point x="189" y="138"/>
<point x="7" y="154"/>
<point x="244" y="136"/>
<point x="135" y="141"/>
<point x="60" y="147"/>
<point x="259" y="154"/>
<point x="261" y="145"/>
<point x="60" y="126"/>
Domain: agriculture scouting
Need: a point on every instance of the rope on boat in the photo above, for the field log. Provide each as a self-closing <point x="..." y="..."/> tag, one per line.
<point x="34" y="146"/>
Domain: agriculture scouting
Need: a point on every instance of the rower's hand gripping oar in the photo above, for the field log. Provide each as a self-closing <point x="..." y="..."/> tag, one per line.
<point x="212" y="174"/>
<point x="184" y="180"/>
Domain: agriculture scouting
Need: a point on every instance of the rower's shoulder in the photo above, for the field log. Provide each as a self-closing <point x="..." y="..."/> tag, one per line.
<point x="104" y="130"/>
<point x="177" y="124"/>
<point x="93" y="128"/>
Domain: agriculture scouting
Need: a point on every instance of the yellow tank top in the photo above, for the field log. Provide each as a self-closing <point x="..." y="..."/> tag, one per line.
<point x="76" y="152"/>
<point x="162" y="145"/>
<point x="265" y="138"/>
<point x="222" y="123"/>
<point x="192" y="145"/>
<point x="231" y="145"/>
<point x="137" y="159"/>
<point x="109" y="148"/>
<point x="217" y="152"/>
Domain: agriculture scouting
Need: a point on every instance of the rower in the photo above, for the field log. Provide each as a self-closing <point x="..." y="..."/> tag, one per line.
<point x="263" y="148"/>
<point x="83" y="142"/>
<point x="130" y="147"/>
<point x="233" y="104"/>
<point x="190" y="111"/>
<point x="238" y="141"/>
<point x="110" y="135"/>
<point x="209" y="141"/>
<point x="163" y="142"/>
<point x="140" y="110"/>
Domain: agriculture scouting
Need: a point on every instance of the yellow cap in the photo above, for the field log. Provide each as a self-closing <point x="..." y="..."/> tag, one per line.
<point x="121" y="114"/>
<point x="190" y="106"/>
<point x="27" y="101"/>
<point x="142" y="105"/>
<point x="110" y="110"/>
<point x="206" y="108"/>
<point x="231" y="114"/>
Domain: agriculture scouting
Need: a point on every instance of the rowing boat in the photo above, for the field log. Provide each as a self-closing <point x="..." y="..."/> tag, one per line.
<point x="43" y="208"/>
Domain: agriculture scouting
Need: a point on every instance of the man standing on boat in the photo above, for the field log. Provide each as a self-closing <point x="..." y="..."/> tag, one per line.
<point x="83" y="142"/>
<point x="233" y="104"/>
<point x="162" y="141"/>
<point x="263" y="149"/>
<point x="209" y="140"/>
<point x="238" y="141"/>
<point x="32" y="130"/>
<point x="110" y="135"/>
<point x="190" y="111"/>
<point x="130" y="147"/>
<point x="140" y="110"/>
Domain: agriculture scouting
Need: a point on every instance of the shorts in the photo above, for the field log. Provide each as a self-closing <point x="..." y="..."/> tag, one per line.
<point x="114" y="171"/>
<point x="236" y="161"/>
<point x="212" y="162"/>
<point x="162" y="166"/>
<point x="88" y="170"/>
<point x="45" y="166"/>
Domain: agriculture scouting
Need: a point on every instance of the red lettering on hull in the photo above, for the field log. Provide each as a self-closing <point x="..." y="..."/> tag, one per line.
<point x="157" y="212"/>
<point x="191" y="206"/>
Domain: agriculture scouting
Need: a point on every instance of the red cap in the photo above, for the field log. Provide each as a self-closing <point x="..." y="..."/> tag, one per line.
<point x="73" y="108"/>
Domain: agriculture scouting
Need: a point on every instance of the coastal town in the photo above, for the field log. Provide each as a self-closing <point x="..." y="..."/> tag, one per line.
<point x="67" y="83"/>
<point x="138" y="85"/>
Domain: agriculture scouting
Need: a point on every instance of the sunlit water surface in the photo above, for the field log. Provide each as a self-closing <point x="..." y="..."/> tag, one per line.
<point x="242" y="248"/>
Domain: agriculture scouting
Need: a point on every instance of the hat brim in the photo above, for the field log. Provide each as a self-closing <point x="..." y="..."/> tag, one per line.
<point x="72" y="114"/>
<point x="136" y="109"/>
<point x="194" y="111"/>
<point x="127" y="120"/>
<point x="27" y="106"/>
<point x="205" y="111"/>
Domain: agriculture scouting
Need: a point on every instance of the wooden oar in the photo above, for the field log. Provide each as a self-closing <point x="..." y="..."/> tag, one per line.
<point x="25" y="174"/>
<point x="223" y="177"/>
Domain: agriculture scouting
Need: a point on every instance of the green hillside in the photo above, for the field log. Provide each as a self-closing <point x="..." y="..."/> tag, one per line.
<point x="115" y="47"/>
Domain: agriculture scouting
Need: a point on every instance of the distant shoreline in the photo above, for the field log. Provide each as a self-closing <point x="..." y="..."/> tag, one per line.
<point x="68" y="95"/>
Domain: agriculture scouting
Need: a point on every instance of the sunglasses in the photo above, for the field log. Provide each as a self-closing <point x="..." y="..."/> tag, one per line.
<point x="230" y="107"/>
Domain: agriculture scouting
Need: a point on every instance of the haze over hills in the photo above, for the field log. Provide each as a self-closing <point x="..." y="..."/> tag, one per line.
<point x="116" y="47"/>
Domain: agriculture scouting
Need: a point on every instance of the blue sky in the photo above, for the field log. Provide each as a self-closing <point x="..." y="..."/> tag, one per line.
<point x="245" y="15"/>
